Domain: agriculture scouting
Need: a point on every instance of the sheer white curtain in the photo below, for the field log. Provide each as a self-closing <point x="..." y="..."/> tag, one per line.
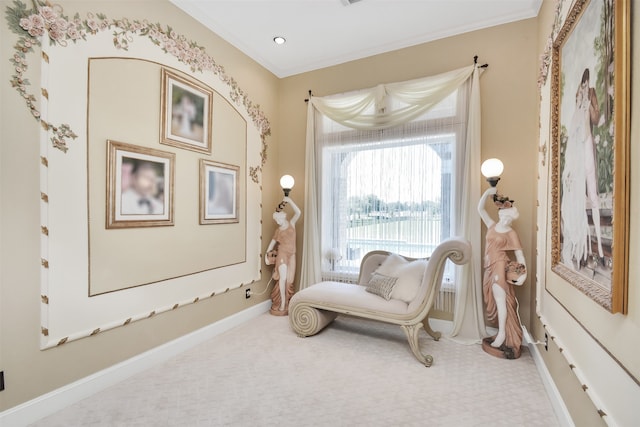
<point x="468" y="320"/>
<point x="404" y="115"/>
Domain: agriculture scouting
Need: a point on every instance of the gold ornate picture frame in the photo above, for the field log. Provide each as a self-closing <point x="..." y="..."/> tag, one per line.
<point x="219" y="196"/>
<point x="187" y="108"/>
<point x="590" y="151"/>
<point x="139" y="186"/>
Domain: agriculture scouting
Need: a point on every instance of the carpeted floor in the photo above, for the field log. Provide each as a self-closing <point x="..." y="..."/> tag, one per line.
<point x="354" y="373"/>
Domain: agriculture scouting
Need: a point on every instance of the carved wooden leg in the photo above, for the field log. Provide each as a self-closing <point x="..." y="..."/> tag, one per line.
<point x="435" y="334"/>
<point x="411" y="331"/>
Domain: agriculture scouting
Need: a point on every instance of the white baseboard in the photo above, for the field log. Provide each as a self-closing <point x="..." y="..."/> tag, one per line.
<point x="69" y="394"/>
<point x="560" y="409"/>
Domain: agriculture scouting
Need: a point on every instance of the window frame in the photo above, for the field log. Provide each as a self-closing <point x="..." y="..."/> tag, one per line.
<point x="453" y="125"/>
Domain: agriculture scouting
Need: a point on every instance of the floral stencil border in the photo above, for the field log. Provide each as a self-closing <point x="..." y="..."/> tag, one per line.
<point x="545" y="58"/>
<point x="47" y="21"/>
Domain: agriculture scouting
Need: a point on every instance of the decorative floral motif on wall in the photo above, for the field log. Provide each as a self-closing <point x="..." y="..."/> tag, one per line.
<point x="545" y="58"/>
<point x="46" y="21"/>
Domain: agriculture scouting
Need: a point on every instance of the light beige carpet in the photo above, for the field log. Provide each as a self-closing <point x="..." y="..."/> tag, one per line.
<point x="354" y="373"/>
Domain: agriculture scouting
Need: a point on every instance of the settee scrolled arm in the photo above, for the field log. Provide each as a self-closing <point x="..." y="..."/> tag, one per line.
<point x="458" y="250"/>
<point x="306" y="320"/>
<point x="458" y="257"/>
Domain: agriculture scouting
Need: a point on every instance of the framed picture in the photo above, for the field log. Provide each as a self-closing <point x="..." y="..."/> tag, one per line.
<point x="590" y="151"/>
<point x="186" y="113"/>
<point x="218" y="192"/>
<point x="139" y="186"/>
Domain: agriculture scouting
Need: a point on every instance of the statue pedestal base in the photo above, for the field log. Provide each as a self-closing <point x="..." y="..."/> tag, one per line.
<point x="278" y="312"/>
<point x="503" y="351"/>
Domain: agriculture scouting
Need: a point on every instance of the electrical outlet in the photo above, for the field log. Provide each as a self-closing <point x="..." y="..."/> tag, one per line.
<point x="247" y="293"/>
<point x="546" y="342"/>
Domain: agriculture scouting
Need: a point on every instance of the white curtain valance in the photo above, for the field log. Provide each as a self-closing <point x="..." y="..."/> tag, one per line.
<point x="368" y="109"/>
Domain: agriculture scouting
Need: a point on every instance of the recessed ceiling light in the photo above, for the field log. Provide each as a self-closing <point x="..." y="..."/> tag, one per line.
<point x="279" y="40"/>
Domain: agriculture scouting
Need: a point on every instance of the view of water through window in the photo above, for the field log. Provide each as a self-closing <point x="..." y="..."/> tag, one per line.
<point x="389" y="189"/>
<point x="395" y="198"/>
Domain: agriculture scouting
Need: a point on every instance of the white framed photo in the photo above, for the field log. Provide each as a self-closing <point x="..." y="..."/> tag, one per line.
<point x="218" y="192"/>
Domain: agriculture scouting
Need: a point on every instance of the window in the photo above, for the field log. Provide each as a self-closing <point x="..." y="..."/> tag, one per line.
<point x="389" y="189"/>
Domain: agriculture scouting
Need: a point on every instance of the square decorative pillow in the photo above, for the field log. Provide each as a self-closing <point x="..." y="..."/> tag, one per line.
<point x="381" y="285"/>
<point x="409" y="280"/>
<point x="391" y="264"/>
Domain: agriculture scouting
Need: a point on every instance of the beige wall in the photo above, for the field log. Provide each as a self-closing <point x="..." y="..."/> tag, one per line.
<point x="30" y="372"/>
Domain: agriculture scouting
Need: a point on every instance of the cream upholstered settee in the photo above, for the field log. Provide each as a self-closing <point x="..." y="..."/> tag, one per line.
<point x="390" y="288"/>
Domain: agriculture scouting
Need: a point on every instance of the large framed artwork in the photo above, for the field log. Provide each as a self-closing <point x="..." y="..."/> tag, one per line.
<point x="590" y="151"/>
<point x="186" y="113"/>
<point x="139" y="186"/>
<point x="218" y="192"/>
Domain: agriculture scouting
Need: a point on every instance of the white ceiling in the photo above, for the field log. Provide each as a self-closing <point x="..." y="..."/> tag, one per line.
<point x="321" y="33"/>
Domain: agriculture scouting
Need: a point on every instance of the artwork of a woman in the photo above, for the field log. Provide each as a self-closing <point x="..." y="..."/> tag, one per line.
<point x="283" y="246"/>
<point x="579" y="179"/>
<point x="501" y="274"/>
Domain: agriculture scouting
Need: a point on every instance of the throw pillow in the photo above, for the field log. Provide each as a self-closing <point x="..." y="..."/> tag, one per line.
<point x="381" y="285"/>
<point x="409" y="280"/>
<point x="391" y="264"/>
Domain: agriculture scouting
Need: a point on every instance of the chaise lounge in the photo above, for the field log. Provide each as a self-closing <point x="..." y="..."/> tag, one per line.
<point x="390" y="288"/>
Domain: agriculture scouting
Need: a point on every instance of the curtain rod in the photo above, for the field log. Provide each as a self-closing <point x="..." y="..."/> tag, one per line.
<point x="475" y="61"/>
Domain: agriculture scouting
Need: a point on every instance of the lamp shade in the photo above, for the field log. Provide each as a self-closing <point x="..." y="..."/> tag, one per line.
<point x="287" y="182"/>
<point x="492" y="168"/>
